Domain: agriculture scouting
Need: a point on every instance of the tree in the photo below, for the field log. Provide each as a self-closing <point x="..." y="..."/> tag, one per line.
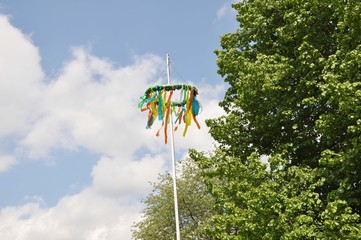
<point x="195" y="207"/>
<point x="294" y="71"/>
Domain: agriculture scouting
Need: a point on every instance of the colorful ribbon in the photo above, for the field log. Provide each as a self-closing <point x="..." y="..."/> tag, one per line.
<point x="157" y="100"/>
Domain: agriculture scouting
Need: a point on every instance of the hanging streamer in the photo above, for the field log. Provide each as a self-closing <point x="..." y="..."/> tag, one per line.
<point x="157" y="100"/>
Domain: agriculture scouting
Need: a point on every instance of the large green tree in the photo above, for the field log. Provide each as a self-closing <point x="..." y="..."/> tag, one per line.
<point x="294" y="74"/>
<point x="194" y="201"/>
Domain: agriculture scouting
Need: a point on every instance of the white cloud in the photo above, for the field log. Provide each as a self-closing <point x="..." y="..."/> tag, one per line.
<point x="225" y="10"/>
<point x="222" y="11"/>
<point x="6" y="162"/>
<point x="20" y="77"/>
<point x="114" y="177"/>
<point x="86" y="215"/>
<point x="89" y="104"/>
<point x="92" y="105"/>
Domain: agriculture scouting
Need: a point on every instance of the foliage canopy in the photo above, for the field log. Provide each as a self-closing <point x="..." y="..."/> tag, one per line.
<point x="294" y="71"/>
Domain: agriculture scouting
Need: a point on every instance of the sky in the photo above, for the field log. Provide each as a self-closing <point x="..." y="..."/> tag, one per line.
<point x="75" y="157"/>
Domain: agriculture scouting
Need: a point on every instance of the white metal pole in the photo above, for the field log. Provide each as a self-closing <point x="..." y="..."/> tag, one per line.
<point x="173" y="162"/>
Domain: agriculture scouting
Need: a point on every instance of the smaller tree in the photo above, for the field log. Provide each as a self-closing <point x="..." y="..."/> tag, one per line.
<point x="194" y="202"/>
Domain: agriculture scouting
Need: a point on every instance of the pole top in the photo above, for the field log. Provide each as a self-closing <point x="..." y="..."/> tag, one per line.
<point x="168" y="59"/>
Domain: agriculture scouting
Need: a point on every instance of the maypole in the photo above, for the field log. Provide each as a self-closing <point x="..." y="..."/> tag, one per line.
<point x="158" y="102"/>
<point x="173" y="163"/>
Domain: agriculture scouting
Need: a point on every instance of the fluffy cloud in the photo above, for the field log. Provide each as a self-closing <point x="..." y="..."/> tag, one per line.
<point x="225" y="10"/>
<point x="20" y="76"/>
<point x="90" y="105"/>
<point x="113" y="177"/>
<point x="6" y="162"/>
<point x="86" y="215"/>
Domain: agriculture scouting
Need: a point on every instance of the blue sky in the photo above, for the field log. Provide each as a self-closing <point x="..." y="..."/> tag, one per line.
<point x="75" y="157"/>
